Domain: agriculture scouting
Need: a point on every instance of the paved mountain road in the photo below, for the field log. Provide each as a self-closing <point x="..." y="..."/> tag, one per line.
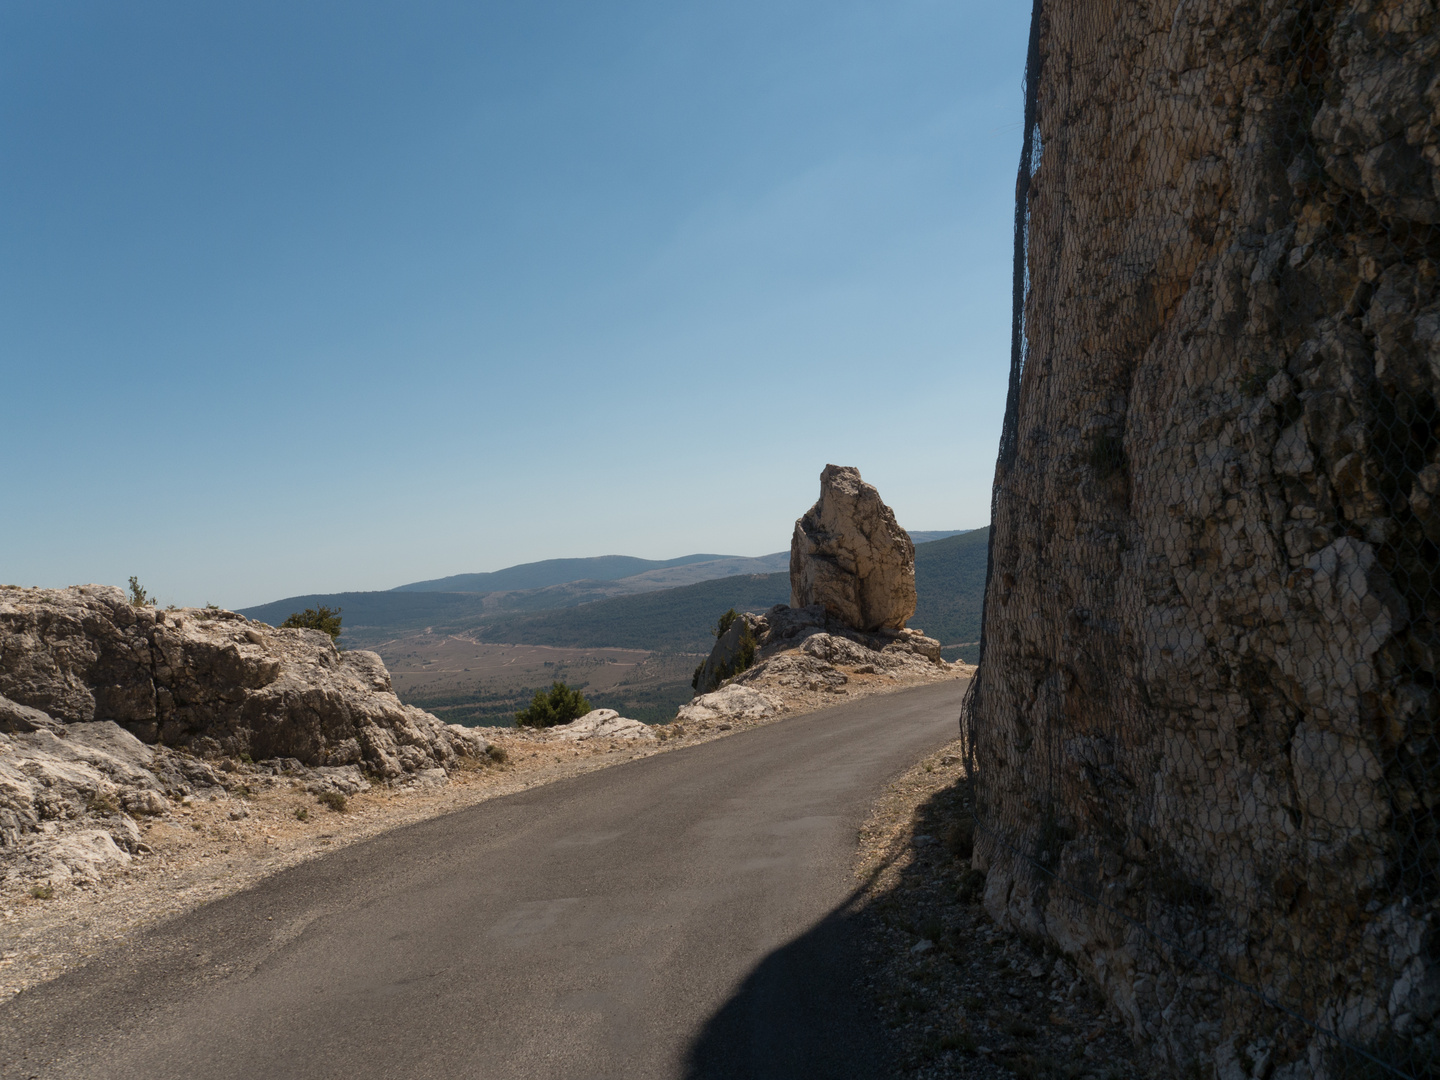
<point x="668" y="917"/>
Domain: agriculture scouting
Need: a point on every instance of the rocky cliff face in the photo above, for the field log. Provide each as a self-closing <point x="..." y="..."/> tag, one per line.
<point x="108" y="711"/>
<point x="1208" y="696"/>
<point x="212" y="682"/>
<point x="850" y="554"/>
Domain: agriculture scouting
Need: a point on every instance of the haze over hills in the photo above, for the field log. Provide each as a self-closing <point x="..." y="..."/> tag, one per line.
<point x="686" y="570"/>
<point x="949" y="585"/>
<point x="644" y="611"/>
<point x="929" y="536"/>
<point x="467" y="656"/>
<point x="540" y="575"/>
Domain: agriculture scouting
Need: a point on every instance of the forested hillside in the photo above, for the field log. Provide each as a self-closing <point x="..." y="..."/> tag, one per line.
<point x="950" y="588"/>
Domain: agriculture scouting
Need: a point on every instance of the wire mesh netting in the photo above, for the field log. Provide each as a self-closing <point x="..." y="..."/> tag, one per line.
<point x="1203" y="738"/>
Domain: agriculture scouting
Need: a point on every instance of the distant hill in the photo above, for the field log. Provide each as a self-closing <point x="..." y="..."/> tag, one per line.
<point x="669" y="620"/>
<point x="686" y="570"/>
<point x="949" y="580"/>
<point x="541" y="575"/>
<point x="389" y="612"/>
<point x="950" y="589"/>
<point x="927" y="536"/>
<point x="949" y="583"/>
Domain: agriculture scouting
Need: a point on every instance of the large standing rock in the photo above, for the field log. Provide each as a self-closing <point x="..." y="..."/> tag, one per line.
<point x="850" y="554"/>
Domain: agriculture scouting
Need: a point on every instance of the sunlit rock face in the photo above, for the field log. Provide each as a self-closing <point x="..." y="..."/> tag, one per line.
<point x="851" y="555"/>
<point x="212" y="682"/>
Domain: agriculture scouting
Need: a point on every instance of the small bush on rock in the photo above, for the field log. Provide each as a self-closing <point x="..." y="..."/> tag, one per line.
<point x="321" y="618"/>
<point x="138" y="596"/>
<point x="335" y="800"/>
<point x="558" y="705"/>
<point x="741" y="660"/>
<point x="104" y="804"/>
<point x="726" y="621"/>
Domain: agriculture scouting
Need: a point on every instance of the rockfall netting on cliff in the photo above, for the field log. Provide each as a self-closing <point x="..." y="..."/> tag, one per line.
<point x="1204" y="735"/>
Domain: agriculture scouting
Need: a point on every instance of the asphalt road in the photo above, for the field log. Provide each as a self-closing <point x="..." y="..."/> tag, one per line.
<point x="676" y="916"/>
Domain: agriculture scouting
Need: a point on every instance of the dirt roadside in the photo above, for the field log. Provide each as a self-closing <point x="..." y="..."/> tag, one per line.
<point x="961" y="997"/>
<point x="208" y="847"/>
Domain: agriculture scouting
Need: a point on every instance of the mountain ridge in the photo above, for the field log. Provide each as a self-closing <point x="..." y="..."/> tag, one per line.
<point x="950" y="575"/>
<point x="548" y="573"/>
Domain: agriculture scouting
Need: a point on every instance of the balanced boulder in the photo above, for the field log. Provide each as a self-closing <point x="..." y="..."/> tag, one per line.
<point x="851" y="555"/>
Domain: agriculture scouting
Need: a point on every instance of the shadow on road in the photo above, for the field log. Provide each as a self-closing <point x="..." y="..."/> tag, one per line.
<point x="802" y="1013"/>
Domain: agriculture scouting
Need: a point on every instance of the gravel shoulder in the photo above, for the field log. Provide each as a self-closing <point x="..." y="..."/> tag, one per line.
<point x="208" y="847"/>
<point x="960" y="997"/>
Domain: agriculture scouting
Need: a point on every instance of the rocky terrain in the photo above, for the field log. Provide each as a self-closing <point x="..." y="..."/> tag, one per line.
<point x="852" y="588"/>
<point x="153" y="760"/>
<point x="110" y="713"/>
<point x="1205" y="729"/>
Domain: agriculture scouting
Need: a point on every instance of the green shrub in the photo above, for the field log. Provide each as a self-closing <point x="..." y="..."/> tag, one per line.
<point x="745" y="655"/>
<point x="558" y="705"/>
<point x="726" y="621"/>
<point x="138" y="596"/>
<point x="321" y="618"/>
<point x="301" y="814"/>
<point x="743" y="659"/>
<point x="335" y="800"/>
<point x="42" y="892"/>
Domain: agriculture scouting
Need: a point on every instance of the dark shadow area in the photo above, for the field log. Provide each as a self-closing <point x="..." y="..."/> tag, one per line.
<point x="910" y="977"/>
<point x="802" y="1014"/>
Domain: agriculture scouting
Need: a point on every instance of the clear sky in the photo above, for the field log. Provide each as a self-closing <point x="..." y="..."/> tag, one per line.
<point x="305" y="296"/>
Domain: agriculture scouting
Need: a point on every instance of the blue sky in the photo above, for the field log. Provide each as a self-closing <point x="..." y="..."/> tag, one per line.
<point x="305" y="297"/>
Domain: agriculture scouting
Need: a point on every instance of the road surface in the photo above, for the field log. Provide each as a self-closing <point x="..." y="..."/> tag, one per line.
<point x="679" y="916"/>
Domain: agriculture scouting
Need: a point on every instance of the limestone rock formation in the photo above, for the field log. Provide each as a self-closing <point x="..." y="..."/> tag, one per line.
<point x="729" y="703"/>
<point x="104" y="707"/>
<point x="601" y="724"/>
<point x="803" y="648"/>
<point x="1210" y="683"/>
<point x="212" y="682"/>
<point x="850" y="554"/>
<point x="733" y="652"/>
